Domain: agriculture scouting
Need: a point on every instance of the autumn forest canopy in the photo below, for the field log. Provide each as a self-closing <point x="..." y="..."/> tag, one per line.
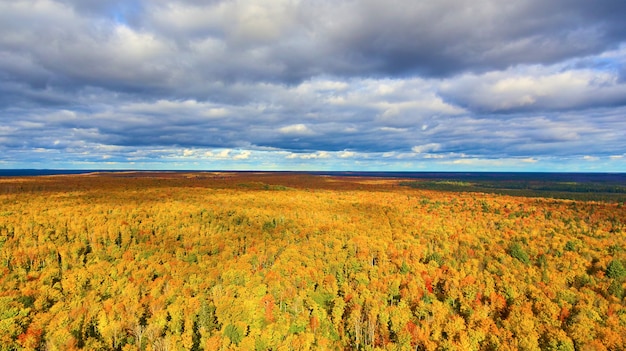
<point x="279" y="261"/>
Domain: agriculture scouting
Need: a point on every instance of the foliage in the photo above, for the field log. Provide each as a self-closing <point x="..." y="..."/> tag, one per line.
<point x="259" y="261"/>
<point x="234" y="333"/>
<point x="615" y="270"/>
<point x="531" y="187"/>
<point x="616" y="289"/>
<point x="516" y="251"/>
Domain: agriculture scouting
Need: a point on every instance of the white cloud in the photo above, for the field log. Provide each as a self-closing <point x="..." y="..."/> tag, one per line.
<point x="398" y="80"/>
<point x="244" y="155"/>
<point x="392" y="129"/>
<point x="434" y="156"/>
<point x="309" y="156"/>
<point x="224" y="154"/>
<point x="259" y="22"/>
<point x="296" y="129"/>
<point x="216" y="112"/>
<point x="536" y="88"/>
<point x="529" y="160"/>
<point x="347" y="154"/>
<point x="426" y="148"/>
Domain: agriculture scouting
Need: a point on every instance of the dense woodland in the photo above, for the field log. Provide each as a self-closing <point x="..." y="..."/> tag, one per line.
<point x="608" y="191"/>
<point x="243" y="261"/>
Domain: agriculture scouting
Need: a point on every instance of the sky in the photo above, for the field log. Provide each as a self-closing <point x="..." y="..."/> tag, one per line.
<point x="348" y="85"/>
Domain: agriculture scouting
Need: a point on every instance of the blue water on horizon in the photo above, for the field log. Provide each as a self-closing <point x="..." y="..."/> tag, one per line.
<point x="41" y="172"/>
<point x="539" y="176"/>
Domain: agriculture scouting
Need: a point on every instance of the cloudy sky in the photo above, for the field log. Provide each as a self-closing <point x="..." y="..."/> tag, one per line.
<point x="421" y="85"/>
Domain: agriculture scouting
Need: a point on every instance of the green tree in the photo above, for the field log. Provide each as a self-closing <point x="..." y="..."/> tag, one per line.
<point x="234" y="333"/>
<point x="516" y="251"/>
<point x="615" y="269"/>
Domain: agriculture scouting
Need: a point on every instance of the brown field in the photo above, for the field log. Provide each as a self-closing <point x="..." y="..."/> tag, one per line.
<point x="281" y="261"/>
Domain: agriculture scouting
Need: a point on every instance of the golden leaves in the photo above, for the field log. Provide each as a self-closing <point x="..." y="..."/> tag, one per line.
<point x="302" y="262"/>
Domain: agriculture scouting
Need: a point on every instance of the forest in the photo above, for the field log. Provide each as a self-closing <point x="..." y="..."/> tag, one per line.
<point x="593" y="190"/>
<point x="266" y="261"/>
